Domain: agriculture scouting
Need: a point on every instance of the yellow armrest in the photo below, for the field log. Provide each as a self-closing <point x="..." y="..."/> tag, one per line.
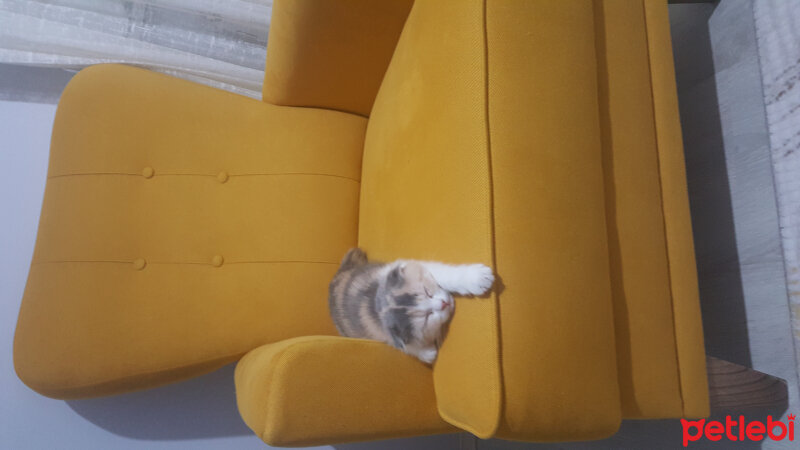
<point x="331" y="53"/>
<point x="321" y="390"/>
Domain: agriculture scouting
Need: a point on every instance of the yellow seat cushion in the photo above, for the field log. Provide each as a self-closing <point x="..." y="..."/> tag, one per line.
<point x="453" y="174"/>
<point x="426" y="191"/>
<point x="324" y="390"/>
<point x="540" y="137"/>
<point x="181" y="227"/>
<point x="556" y="318"/>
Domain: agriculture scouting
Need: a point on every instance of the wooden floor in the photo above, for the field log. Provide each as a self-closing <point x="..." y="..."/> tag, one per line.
<point x="734" y="389"/>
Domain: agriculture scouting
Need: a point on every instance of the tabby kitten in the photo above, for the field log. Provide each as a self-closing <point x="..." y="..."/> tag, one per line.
<point x="406" y="303"/>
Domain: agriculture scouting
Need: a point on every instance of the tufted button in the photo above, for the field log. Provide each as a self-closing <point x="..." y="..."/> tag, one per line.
<point x="217" y="260"/>
<point x="148" y="172"/>
<point x="139" y="264"/>
<point x="222" y="176"/>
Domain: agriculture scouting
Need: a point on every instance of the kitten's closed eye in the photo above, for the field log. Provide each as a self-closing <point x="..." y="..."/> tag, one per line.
<point x="419" y="312"/>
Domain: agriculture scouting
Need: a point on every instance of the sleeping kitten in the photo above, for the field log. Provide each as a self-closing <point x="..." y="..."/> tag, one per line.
<point x="406" y="304"/>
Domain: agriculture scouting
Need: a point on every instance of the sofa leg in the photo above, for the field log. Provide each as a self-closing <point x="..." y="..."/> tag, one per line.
<point x="732" y="387"/>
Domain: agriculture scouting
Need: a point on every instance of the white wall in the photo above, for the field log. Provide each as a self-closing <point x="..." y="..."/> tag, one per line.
<point x="198" y="414"/>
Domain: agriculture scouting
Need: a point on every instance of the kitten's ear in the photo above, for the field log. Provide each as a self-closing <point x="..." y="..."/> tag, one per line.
<point x="354" y="257"/>
<point x="396" y="275"/>
<point x="399" y="325"/>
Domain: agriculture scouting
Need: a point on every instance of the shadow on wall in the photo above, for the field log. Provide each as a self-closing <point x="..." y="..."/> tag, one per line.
<point x="198" y="408"/>
<point x="719" y="271"/>
<point x="649" y="434"/>
<point x="438" y="442"/>
<point x="203" y="407"/>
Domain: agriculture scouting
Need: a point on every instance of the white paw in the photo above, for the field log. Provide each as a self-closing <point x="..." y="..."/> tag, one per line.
<point x="428" y="355"/>
<point x="478" y="279"/>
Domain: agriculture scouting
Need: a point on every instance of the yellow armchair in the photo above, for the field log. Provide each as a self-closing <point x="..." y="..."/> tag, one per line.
<point x="184" y="227"/>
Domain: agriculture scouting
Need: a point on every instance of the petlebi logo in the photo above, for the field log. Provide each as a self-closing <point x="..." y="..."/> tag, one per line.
<point x="737" y="430"/>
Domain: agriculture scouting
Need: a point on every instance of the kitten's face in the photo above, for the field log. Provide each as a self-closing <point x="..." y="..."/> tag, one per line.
<point x="417" y="307"/>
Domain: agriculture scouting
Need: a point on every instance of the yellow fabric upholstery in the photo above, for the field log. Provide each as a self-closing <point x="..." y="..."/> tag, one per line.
<point x="637" y="250"/>
<point x="322" y="390"/>
<point x="652" y="272"/>
<point x="555" y="312"/>
<point x="576" y="223"/>
<point x="236" y="211"/>
<point x="183" y="227"/>
<point x="426" y="191"/>
<point x="331" y="53"/>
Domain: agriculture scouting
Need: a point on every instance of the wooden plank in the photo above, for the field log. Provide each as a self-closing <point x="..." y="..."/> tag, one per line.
<point x="732" y="387"/>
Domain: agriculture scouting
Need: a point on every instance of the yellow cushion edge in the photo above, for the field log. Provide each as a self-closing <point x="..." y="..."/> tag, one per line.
<point x="678" y="226"/>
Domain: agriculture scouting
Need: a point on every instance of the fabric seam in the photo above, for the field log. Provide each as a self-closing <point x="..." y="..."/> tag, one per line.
<point x="497" y="387"/>
<point x="63" y="175"/>
<point x="182" y="262"/>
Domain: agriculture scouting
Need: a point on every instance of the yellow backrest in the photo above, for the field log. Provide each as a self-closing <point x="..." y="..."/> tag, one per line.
<point x="181" y="227"/>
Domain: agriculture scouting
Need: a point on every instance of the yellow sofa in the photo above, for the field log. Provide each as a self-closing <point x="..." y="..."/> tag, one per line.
<point x="184" y="228"/>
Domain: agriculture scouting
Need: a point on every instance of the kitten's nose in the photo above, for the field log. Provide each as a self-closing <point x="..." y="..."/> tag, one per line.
<point x="444" y="304"/>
